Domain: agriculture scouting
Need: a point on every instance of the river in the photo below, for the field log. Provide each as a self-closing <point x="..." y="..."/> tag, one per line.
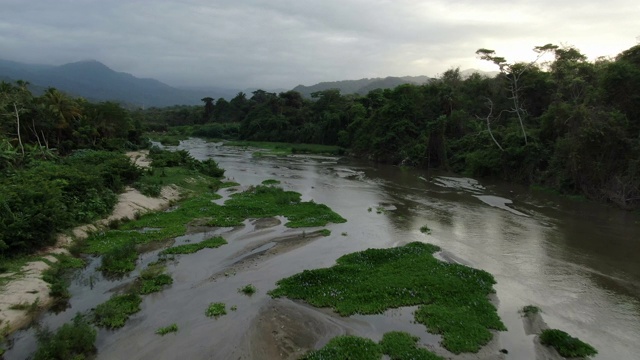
<point x="578" y="261"/>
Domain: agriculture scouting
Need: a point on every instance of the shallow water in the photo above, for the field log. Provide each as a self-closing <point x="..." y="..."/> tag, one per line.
<point x="578" y="261"/>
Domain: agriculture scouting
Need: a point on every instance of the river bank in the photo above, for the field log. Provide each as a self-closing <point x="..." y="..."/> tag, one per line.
<point x="27" y="287"/>
<point x="530" y="253"/>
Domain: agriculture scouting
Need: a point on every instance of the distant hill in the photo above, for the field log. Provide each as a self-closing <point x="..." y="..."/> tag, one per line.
<point x="95" y="81"/>
<point x="466" y="73"/>
<point x="362" y="86"/>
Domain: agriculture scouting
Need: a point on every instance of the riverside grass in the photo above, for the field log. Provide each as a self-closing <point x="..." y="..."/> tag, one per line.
<point x="256" y="202"/>
<point x="452" y="297"/>
<point x="397" y="345"/>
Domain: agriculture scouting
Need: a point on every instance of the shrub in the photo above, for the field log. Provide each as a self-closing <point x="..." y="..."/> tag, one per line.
<point x="216" y="310"/>
<point x="73" y="340"/>
<point x="347" y="347"/>
<point x="115" y="312"/>
<point x="120" y="259"/>
<point x="248" y="289"/>
<point x="565" y="344"/>
<point x="530" y="310"/>
<point x="167" y="329"/>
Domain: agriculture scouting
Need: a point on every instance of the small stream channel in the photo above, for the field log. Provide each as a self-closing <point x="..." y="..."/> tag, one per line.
<point x="578" y="261"/>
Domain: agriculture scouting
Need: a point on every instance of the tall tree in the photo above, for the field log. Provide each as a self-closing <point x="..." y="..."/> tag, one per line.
<point x="208" y="108"/>
<point x="513" y="72"/>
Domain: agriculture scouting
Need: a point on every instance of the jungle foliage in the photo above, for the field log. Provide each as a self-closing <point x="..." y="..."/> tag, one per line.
<point x="569" y="124"/>
<point x="59" y="164"/>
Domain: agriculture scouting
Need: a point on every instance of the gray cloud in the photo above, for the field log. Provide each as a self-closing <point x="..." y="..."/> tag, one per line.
<point x="282" y="43"/>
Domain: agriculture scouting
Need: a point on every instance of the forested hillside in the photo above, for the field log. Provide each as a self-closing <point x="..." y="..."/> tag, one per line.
<point x="570" y="124"/>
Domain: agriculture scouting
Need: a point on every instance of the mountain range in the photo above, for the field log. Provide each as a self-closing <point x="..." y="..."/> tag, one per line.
<point x="97" y="82"/>
<point x="362" y="86"/>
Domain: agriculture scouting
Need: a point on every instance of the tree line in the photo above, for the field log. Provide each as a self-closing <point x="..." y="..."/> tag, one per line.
<point x="568" y="124"/>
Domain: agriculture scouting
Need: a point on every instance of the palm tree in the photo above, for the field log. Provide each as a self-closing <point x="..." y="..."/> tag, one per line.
<point x="62" y="109"/>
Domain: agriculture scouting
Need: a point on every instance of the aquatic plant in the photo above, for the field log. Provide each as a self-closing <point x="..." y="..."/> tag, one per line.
<point x="397" y="345"/>
<point x="425" y="229"/>
<point x="347" y="347"/>
<point x="325" y="232"/>
<point x="216" y="309"/>
<point x="248" y="289"/>
<point x="74" y="340"/>
<point x="565" y="344"/>
<point x="116" y="311"/>
<point x="120" y="259"/>
<point x="56" y="275"/>
<point x="271" y="182"/>
<point x="167" y="329"/>
<point x="453" y="297"/>
<point x="530" y="310"/>
<point x="154" y="284"/>
<point x="401" y="345"/>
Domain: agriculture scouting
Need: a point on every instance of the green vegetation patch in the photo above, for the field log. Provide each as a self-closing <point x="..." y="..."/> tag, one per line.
<point x="120" y="259"/>
<point x="57" y="275"/>
<point x="397" y="345"/>
<point x="118" y="245"/>
<point x="167" y="329"/>
<point x="74" y="340"/>
<point x="347" y="347"/>
<point x="530" y="310"/>
<point x="565" y="344"/>
<point x="271" y="182"/>
<point x="453" y="297"/>
<point x="47" y="197"/>
<point x="268" y="201"/>
<point x="150" y="284"/>
<point x="212" y="243"/>
<point x="216" y="310"/>
<point x="400" y="345"/>
<point x="113" y="313"/>
<point x="248" y="289"/>
<point x="425" y="229"/>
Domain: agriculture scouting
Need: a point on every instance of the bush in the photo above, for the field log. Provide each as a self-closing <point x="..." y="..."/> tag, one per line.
<point x="347" y="347"/>
<point x="248" y="290"/>
<point x="73" y="340"/>
<point x="167" y="329"/>
<point x="47" y="197"/>
<point x="115" y="312"/>
<point x="120" y="259"/>
<point x="216" y="310"/>
<point x="565" y="344"/>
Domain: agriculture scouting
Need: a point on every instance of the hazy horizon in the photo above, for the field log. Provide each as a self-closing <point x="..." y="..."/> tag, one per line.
<point x="285" y="43"/>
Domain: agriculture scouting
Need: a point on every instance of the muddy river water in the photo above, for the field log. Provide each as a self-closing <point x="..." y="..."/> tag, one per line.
<point x="579" y="262"/>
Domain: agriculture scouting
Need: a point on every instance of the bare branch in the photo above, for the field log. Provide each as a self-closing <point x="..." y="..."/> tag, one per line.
<point x="488" y="119"/>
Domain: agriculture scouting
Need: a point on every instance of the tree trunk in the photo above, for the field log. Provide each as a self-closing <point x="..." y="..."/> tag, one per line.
<point x="15" y="108"/>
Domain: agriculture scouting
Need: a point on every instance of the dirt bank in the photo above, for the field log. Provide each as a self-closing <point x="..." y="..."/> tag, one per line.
<point x="27" y="287"/>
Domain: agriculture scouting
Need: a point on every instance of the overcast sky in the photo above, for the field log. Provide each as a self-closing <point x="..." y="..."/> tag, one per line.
<point x="283" y="43"/>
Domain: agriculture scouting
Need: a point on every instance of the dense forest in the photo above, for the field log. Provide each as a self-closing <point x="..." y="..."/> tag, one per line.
<point x="568" y="124"/>
<point x="60" y="164"/>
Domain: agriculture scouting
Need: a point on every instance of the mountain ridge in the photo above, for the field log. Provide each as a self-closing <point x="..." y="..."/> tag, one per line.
<point x="94" y="80"/>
